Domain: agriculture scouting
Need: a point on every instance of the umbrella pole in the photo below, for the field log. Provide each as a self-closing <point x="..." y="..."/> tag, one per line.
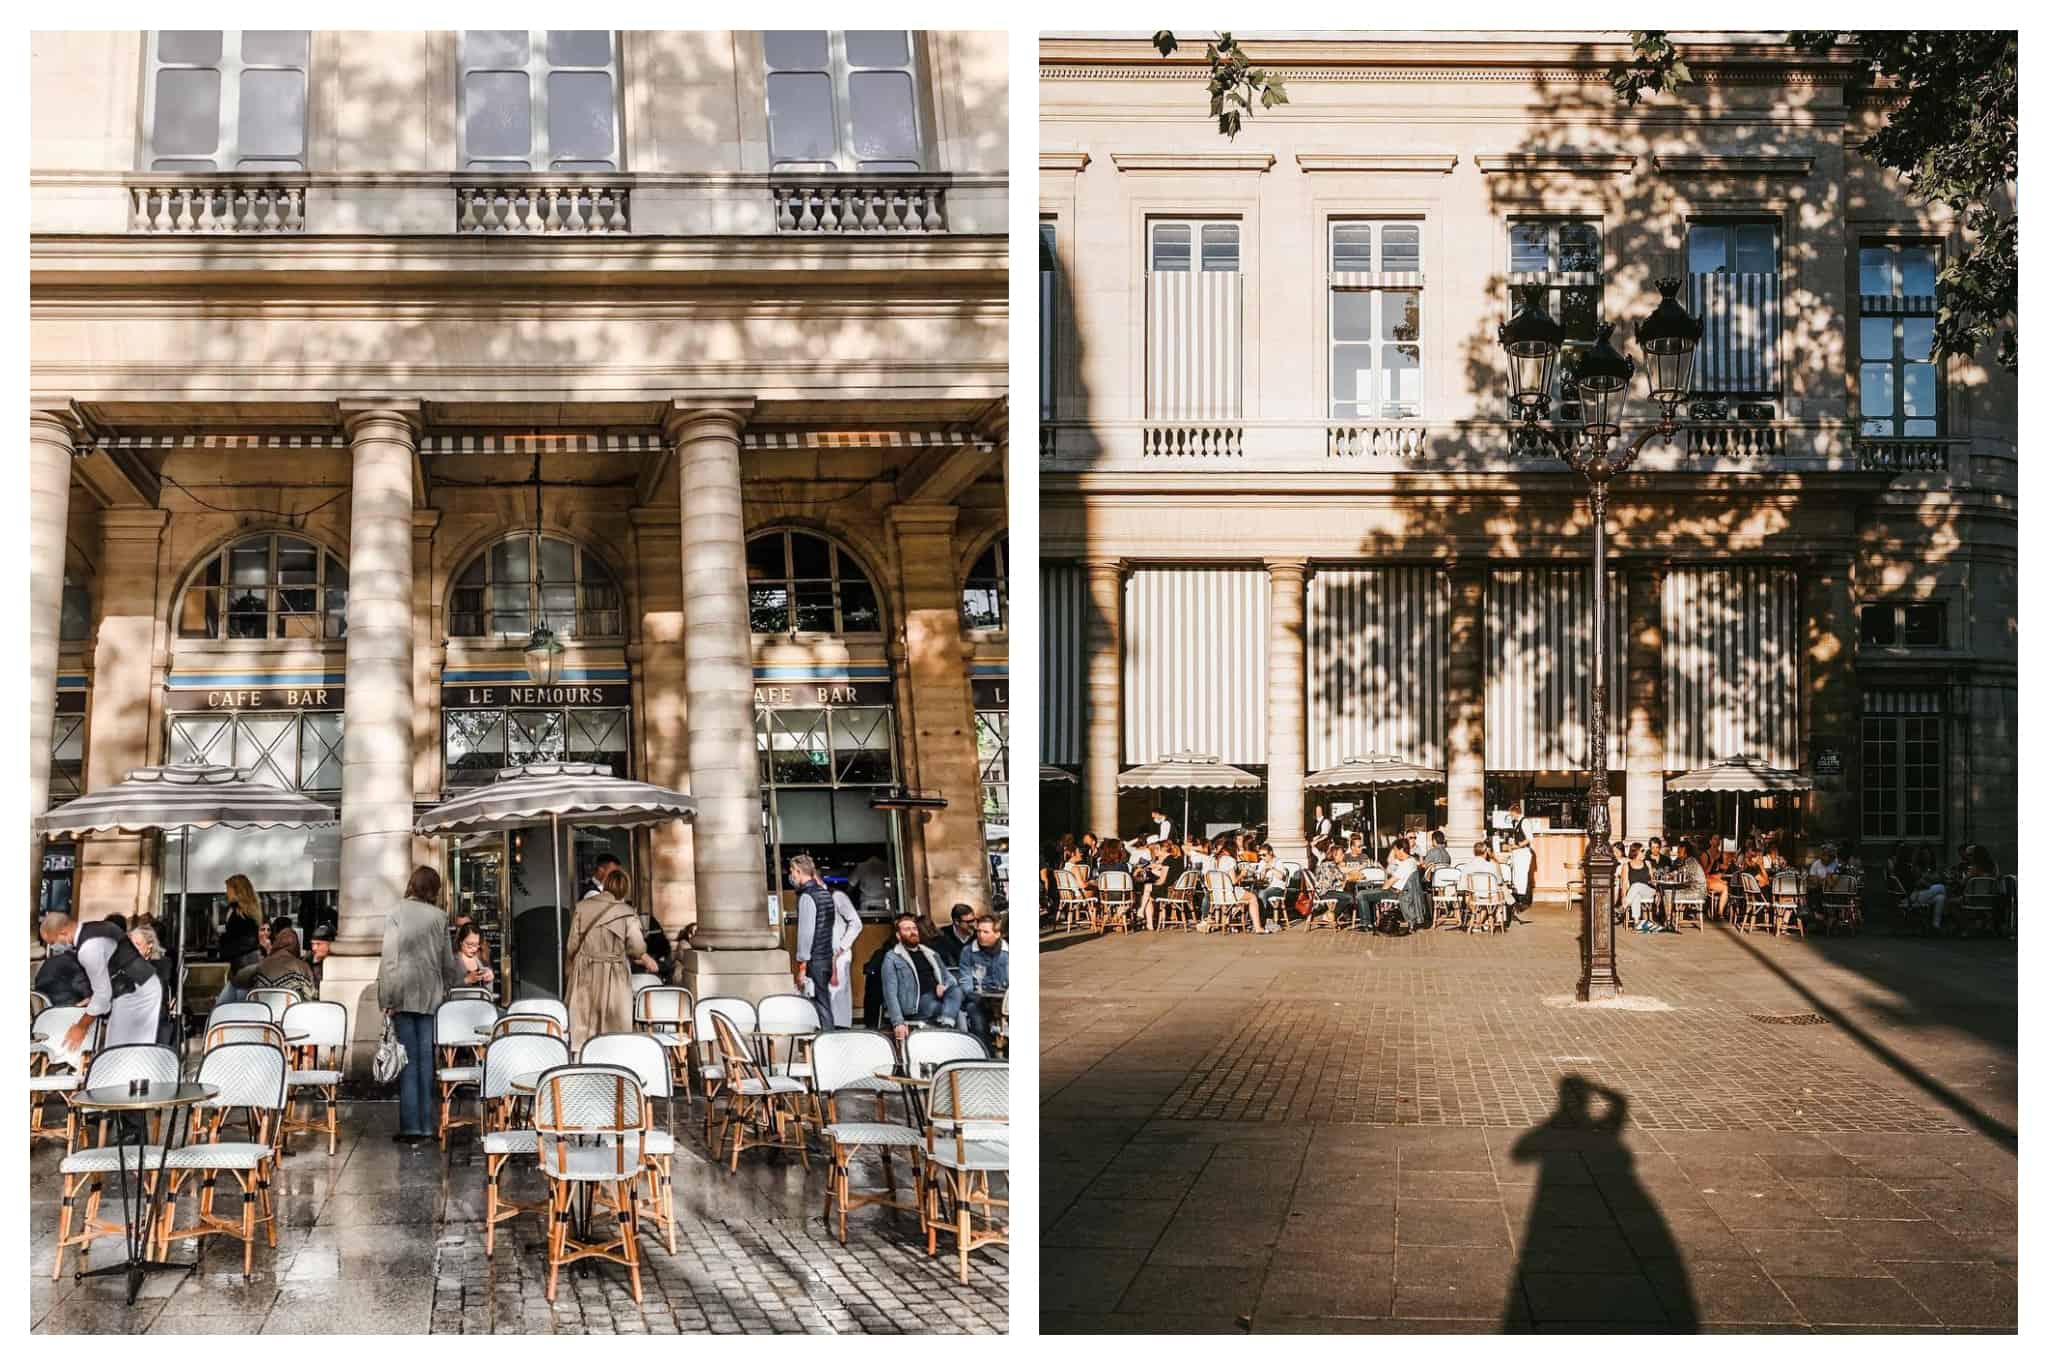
<point x="562" y="916"/>
<point x="184" y="927"/>
<point x="1187" y="804"/>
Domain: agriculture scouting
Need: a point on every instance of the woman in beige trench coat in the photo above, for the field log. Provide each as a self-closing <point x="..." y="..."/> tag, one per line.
<point x="603" y="937"/>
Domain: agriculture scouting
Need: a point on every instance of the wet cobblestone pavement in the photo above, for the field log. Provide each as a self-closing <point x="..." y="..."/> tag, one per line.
<point x="1337" y="1132"/>
<point x="383" y="1238"/>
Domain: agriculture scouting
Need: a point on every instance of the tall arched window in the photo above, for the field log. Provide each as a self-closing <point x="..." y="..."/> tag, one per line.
<point x="525" y="578"/>
<point x="798" y="583"/>
<point x="985" y="600"/>
<point x="266" y="587"/>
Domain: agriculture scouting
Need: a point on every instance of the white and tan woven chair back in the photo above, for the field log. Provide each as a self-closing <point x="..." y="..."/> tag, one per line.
<point x="640" y="981"/>
<point x="661" y="1005"/>
<point x="545" y="1025"/>
<point x="930" y="1047"/>
<point x="240" y="1012"/>
<point x="844" y="1057"/>
<point x="511" y="1055"/>
<point x="1787" y="884"/>
<point x="245" y="1031"/>
<point x="733" y="1053"/>
<point x="787" y="1013"/>
<point x="971" y="1093"/>
<point x="276" y="999"/>
<point x="37" y="1003"/>
<point x="1222" y="891"/>
<point x="459" y="1019"/>
<point x="1114" y="882"/>
<point x="542" y="1004"/>
<point x="740" y="1011"/>
<point x="324" y="1022"/>
<point x="1189" y="883"/>
<point x="574" y="1104"/>
<point x="472" y="993"/>
<point x="116" y="1066"/>
<point x="637" y="1053"/>
<point x="1484" y="886"/>
<point x="246" y="1075"/>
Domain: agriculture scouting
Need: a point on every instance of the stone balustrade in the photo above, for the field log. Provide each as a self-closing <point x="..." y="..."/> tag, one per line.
<point x="217" y="204"/>
<point x="1735" y="440"/>
<point x="1198" y="439"/>
<point x="850" y="204"/>
<point x="1368" y="439"/>
<point x="1902" y="455"/>
<point x="511" y="205"/>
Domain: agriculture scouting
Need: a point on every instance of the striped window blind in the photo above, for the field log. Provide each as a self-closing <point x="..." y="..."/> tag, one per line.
<point x="1195" y="663"/>
<point x="1063" y="662"/>
<point x="1376" y="663"/>
<point x="1731" y="665"/>
<point x="1539" y="679"/>
<point x="1732" y="272"/>
<point x="1194" y="313"/>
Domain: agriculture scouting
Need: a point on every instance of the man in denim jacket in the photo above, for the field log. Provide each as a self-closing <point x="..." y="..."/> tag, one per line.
<point x="916" y="983"/>
<point x="985" y="976"/>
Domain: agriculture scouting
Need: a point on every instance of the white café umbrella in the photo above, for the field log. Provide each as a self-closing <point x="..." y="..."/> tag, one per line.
<point x="1189" y="772"/>
<point x="1372" y="773"/>
<point x="183" y="796"/>
<point x="582" y="793"/>
<point x="1742" y="774"/>
<point x="1048" y="773"/>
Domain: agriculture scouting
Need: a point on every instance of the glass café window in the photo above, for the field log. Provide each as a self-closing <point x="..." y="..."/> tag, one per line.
<point x="476" y="744"/>
<point x="511" y="587"/>
<point x="1898" y="393"/>
<point x="539" y="100"/>
<point x="1375" y="319"/>
<point x="985" y="601"/>
<point x="819" y="768"/>
<point x="296" y="750"/>
<point x="1180" y="246"/>
<point x="269" y="587"/>
<point x="843" y="101"/>
<point x="804" y="584"/>
<point x="1904" y="625"/>
<point x="1560" y="256"/>
<point x="226" y="101"/>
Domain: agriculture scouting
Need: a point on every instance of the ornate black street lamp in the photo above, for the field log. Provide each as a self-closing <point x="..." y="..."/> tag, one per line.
<point x="1532" y="340"/>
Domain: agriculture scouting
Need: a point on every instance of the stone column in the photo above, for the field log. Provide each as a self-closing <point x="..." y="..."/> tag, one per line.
<point x="664" y="740"/>
<point x="940" y="708"/>
<point x="1286" y="737"/>
<point x="50" y="455"/>
<point x="1103" y="642"/>
<point x="1643" y="727"/>
<point x="430" y="658"/>
<point x="742" y="956"/>
<point x="116" y="872"/>
<point x="377" y="717"/>
<point x="1465" y="708"/>
<point x="1833" y="698"/>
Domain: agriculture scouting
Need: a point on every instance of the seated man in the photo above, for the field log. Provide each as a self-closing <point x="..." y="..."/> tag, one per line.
<point x="985" y="977"/>
<point x="61" y="979"/>
<point x="916" y="984"/>
<point x="284" y="968"/>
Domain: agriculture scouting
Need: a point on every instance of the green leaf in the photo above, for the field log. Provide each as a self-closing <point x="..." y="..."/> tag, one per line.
<point x="1165" y="42"/>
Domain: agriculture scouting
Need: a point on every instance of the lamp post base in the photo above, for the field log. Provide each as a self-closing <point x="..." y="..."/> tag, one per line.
<point x="1594" y="989"/>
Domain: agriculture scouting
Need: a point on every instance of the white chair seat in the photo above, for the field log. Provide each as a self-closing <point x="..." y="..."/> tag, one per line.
<point x="712" y="1073"/>
<point x="801" y="1070"/>
<point x="669" y="1040"/>
<point x="47" y="1085"/>
<point x="460" y="1075"/>
<point x="593" y="1163"/>
<point x="511" y="1142"/>
<point x="980" y="1156"/>
<point x="869" y="1085"/>
<point x="298" y="1078"/>
<point x="220" y="1156"/>
<point x="107" y="1160"/>
<point x="773" y="1085"/>
<point x="873" y="1135"/>
<point x="660" y="1142"/>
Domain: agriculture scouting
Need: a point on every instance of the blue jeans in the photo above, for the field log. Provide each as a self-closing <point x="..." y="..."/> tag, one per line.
<point x="416" y="1082"/>
<point x="979" y="1014"/>
<point x="933" y="1007"/>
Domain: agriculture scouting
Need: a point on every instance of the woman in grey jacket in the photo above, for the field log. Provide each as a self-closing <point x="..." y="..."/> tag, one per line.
<point x="417" y="972"/>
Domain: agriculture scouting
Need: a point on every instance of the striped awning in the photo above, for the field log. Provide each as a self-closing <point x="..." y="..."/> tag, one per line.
<point x="1048" y="773"/>
<point x="1194" y="363"/>
<point x="1195" y="676"/>
<point x="1373" y="772"/>
<point x="585" y="792"/>
<point x="1062" y="661"/>
<point x="1539" y="679"/>
<point x="1376" y="644"/>
<point x="1732" y="664"/>
<point x="1200" y="772"/>
<point x="1744" y="773"/>
<point x="183" y="796"/>
<point x="1740" y="320"/>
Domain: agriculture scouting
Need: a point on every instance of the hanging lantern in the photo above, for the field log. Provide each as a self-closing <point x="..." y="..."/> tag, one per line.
<point x="544" y="656"/>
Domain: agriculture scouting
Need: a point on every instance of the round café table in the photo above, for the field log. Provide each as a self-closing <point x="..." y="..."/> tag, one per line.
<point x="138" y="1210"/>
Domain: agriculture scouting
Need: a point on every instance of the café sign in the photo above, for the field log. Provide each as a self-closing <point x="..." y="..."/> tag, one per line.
<point x="777" y="696"/>
<point x="314" y="698"/>
<point x="991" y="694"/>
<point x="487" y="695"/>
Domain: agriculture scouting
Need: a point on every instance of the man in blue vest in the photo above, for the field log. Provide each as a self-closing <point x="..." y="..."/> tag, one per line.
<point x="816" y="967"/>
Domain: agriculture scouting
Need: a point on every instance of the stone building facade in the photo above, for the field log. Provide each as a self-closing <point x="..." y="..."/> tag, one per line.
<point x="1283" y="520"/>
<point x="357" y="356"/>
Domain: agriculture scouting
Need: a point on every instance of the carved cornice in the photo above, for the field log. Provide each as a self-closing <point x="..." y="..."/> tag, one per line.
<point x="1521" y="74"/>
<point x="1740" y="164"/>
<point x="1208" y="162"/>
<point x="1437" y="162"/>
<point x="1074" y="162"/>
<point x="1558" y="163"/>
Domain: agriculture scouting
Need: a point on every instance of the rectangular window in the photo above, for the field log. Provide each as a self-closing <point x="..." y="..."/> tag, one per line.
<point x="226" y="100"/>
<point x="1909" y="625"/>
<point x="538" y="100"/>
<point x="1048" y="317"/>
<point x="1903" y="765"/>
<point x="1732" y="276"/>
<point x="1175" y="243"/>
<point x="1194" y="289"/>
<point x="1561" y="257"/>
<point x="1898" y="393"/>
<point x="67" y="758"/>
<point x="843" y="101"/>
<point x="1375" y="286"/>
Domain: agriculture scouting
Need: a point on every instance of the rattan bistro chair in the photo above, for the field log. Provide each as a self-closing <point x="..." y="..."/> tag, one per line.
<point x="590" y="1126"/>
<point x="276" y="999"/>
<point x="86" y="1169"/>
<point x="544" y="1004"/>
<point x="509" y="1056"/>
<point x="966" y="1145"/>
<point x="846" y="1061"/>
<point x="667" y="1013"/>
<point x="1077" y="903"/>
<point x="756" y="1103"/>
<point x="648" y="1060"/>
<point x="1177" y="903"/>
<point x="1117" y="897"/>
<point x="1227" y="908"/>
<point x="1978" y="911"/>
<point x="1487" y="897"/>
<point x="704" y="1040"/>
<point x="1841" y="904"/>
<point x="1446" y="899"/>
<point x="461" y="1030"/>
<point x="325" y="1024"/>
<point x="45" y="1079"/>
<point x="928" y="1048"/>
<point x="248" y="1076"/>
<point x="1689" y="903"/>
<point x="1788" y="901"/>
<point x="543" y="1024"/>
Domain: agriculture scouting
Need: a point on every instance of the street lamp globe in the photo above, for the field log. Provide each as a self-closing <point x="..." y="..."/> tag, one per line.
<point x="1531" y="339"/>
<point x="1603" y="375"/>
<point x="1670" y="337"/>
<point x="544" y="656"/>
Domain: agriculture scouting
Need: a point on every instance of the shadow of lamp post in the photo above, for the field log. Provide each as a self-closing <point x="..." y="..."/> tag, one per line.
<point x="1532" y="338"/>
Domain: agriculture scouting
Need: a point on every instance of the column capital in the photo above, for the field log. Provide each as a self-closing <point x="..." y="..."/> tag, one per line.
<point x="357" y="412"/>
<point x="729" y="412"/>
<point x="1283" y="566"/>
<point x="922" y="518"/>
<point x="56" y="420"/>
<point x="425" y="521"/>
<point x="1096" y="565"/>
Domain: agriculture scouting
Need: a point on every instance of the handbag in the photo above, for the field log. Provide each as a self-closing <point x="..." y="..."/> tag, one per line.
<point x="389" y="1060"/>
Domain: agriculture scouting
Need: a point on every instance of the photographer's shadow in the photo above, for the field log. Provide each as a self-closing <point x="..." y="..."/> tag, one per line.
<point x="1584" y="1133"/>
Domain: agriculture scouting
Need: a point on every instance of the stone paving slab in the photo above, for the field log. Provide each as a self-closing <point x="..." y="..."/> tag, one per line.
<point x="381" y="1238"/>
<point x="1378" y="1140"/>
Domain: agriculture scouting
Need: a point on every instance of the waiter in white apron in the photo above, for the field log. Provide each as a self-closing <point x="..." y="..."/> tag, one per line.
<point x="126" y="993"/>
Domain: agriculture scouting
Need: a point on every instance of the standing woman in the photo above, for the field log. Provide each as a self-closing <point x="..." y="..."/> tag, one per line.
<point x="603" y="938"/>
<point x="417" y="971"/>
<point x="241" y="939"/>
